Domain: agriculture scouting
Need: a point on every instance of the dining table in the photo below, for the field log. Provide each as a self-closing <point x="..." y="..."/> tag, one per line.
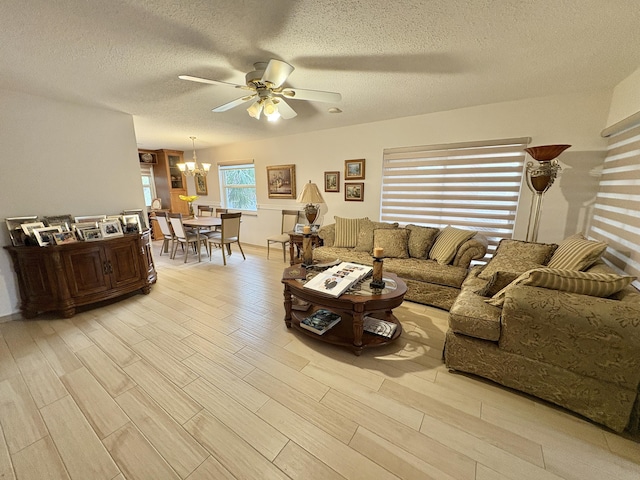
<point x="201" y="223"/>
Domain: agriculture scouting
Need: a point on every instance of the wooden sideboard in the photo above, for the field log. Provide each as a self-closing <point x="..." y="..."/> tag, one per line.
<point x="63" y="277"/>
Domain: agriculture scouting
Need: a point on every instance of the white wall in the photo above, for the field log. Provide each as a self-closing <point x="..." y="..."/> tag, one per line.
<point x="572" y="119"/>
<point x="59" y="158"/>
<point x="626" y="99"/>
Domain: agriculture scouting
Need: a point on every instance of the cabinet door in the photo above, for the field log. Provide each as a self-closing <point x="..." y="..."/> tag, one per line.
<point x="177" y="205"/>
<point x="123" y="262"/>
<point x="177" y="177"/>
<point x="87" y="270"/>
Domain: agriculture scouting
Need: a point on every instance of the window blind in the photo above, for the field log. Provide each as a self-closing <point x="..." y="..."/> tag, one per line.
<point x="616" y="215"/>
<point x="473" y="185"/>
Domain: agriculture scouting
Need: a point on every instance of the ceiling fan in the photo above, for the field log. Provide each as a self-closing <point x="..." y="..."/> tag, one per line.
<point x="265" y="86"/>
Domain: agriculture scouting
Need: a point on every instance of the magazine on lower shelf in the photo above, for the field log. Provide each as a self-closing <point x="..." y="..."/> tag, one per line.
<point x="379" y="327"/>
<point x="320" y="321"/>
<point x="336" y="280"/>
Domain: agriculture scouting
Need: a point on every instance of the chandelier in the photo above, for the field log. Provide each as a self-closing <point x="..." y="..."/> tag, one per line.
<point x="192" y="168"/>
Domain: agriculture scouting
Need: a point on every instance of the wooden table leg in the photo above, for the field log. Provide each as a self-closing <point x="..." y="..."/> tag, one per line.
<point x="287" y="306"/>
<point x="291" y="257"/>
<point x="358" y="328"/>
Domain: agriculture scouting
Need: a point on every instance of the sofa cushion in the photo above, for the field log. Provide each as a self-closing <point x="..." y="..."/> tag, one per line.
<point x="577" y="253"/>
<point x="364" y="242"/>
<point x="347" y="231"/>
<point x="428" y="271"/>
<point x="572" y="281"/>
<point x="421" y="240"/>
<point x="447" y="243"/>
<point x="471" y="315"/>
<point x="328" y="234"/>
<point x="497" y="282"/>
<point x="393" y="241"/>
<point x="515" y="256"/>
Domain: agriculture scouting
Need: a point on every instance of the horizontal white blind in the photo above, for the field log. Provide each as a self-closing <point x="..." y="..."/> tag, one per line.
<point x="472" y="185"/>
<point x="616" y="216"/>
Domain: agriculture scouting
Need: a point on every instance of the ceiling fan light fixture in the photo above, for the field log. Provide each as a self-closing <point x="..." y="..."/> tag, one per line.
<point x="255" y="110"/>
<point x="270" y="108"/>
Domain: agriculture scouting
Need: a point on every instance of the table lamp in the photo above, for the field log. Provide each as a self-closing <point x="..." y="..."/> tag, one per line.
<point x="311" y="196"/>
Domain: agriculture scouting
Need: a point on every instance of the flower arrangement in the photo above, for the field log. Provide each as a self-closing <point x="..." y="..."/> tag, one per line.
<point x="189" y="199"/>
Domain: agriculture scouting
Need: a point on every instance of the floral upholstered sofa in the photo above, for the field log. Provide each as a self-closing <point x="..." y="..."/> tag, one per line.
<point x="555" y="323"/>
<point x="433" y="262"/>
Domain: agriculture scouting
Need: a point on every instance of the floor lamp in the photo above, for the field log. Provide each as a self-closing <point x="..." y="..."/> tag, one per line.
<point x="540" y="177"/>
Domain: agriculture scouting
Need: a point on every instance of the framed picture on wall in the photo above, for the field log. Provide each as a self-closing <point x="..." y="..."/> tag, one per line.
<point x="354" y="169"/>
<point x="354" y="192"/>
<point x="201" y="184"/>
<point x="331" y="181"/>
<point x="281" y="181"/>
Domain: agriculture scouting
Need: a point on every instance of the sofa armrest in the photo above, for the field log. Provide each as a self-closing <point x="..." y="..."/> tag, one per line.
<point x="473" y="249"/>
<point x="592" y="336"/>
<point x="328" y="234"/>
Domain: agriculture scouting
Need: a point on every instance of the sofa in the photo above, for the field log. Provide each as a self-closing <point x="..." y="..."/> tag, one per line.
<point x="433" y="262"/>
<point x="568" y="335"/>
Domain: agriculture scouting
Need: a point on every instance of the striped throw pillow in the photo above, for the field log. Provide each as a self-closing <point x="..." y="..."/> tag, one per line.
<point x="347" y="231"/>
<point x="572" y="281"/>
<point x="447" y="243"/>
<point x="576" y="253"/>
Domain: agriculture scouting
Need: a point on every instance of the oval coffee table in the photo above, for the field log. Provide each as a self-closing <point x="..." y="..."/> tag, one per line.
<point x="352" y="308"/>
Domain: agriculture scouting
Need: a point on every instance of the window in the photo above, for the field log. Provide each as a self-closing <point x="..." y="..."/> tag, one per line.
<point x="472" y="185"/>
<point x="238" y="186"/>
<point x="148" y="185"/>
<point x="616" y="214"/>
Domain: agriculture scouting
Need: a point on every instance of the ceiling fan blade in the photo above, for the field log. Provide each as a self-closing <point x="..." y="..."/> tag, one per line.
<point x="277" y="72"/>
<point x="284" y="109"/>
<point x="212" y="82"/>
<point x="233" y="103"/>
<point x="312" y="95"/>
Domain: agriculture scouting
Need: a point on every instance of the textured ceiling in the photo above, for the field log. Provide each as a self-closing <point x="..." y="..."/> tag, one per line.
<point x="388" y="59"/>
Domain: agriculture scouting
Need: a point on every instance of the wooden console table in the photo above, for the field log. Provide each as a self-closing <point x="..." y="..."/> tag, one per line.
<point x="295" y="243"/>
<point x="63" y="277"/>
<point x="352" y="308"/>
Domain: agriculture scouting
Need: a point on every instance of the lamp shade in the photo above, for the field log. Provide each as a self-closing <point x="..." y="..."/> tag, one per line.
<point x="310" y="194"/>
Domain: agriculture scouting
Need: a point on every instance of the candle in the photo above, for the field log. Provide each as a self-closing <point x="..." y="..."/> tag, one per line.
<point x="306" y="229"/>
<point x="377" y="252"/>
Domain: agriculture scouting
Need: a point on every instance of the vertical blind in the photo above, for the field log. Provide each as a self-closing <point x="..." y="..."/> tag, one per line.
<point x="616" y="216"/>
<point x="473" y="185"/>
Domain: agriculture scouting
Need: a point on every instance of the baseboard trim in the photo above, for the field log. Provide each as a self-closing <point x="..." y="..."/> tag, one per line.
<point x="11" y="317"/>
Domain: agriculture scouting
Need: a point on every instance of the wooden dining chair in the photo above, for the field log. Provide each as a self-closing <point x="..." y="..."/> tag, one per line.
<point x="289" y="220"/>
<point x="168" y="237"/>
<point x="184" y="237"/>
<point x="205" y="211"/>
<point x="229" y="233"/>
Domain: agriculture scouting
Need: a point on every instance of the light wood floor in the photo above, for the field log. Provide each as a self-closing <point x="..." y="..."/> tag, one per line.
<point x="202" y="380"/>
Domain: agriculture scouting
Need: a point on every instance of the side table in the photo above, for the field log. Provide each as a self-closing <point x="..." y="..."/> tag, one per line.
<point x="295" y="239"/>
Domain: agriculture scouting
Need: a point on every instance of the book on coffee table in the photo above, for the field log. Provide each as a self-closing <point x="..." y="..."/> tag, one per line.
<point x="337" y="280"/>
<point x="320" y="321"/>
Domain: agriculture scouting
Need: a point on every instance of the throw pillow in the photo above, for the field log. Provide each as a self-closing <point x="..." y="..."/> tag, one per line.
<point x="328" y="234"/>
<point x="517" y="257"/>
<point x="572" y="281"/>
<point x="497" y="282"/>
<point x="421" y="240"/>
<point x="393" y="241"/>
<point x="347" y="231"/>
<point x="364" y="242"/>
<point x="447" y="243"/>
<point x="577" y="253"/>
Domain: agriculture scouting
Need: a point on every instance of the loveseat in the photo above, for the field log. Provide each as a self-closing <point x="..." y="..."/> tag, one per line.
<point x="568" y="335"/>
<point x="433" y="262"/>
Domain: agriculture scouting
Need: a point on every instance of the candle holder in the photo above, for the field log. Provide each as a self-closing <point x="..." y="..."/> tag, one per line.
<point x="376" y="279"/>
<point x="307" y="250"/>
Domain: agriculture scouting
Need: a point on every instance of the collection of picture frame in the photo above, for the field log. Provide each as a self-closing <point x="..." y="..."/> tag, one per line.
<point x="353" y="170"/>
<point x="63" y="229"/>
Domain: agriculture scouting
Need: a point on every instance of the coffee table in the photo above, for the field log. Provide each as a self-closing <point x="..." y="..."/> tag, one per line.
<point x="352" y="308"/>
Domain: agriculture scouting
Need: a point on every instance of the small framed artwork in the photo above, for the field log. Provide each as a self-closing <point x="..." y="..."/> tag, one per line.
<point x="14" y="225"/>
<point x="281" y="181"/>
<point x="64" y="221"/>
<point x="201" y="184"/>
<point x="131" y="223"/>
<point x="64" y="237"/>
<point x="331" y="181"/>
<point x="354" y="192"/>
<point x="44" y="235"/>
<point x="110" y="228"/>
<point x="28" y="228"/>
<point x="91" y="234"/>
<point x="354" y="169"/>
